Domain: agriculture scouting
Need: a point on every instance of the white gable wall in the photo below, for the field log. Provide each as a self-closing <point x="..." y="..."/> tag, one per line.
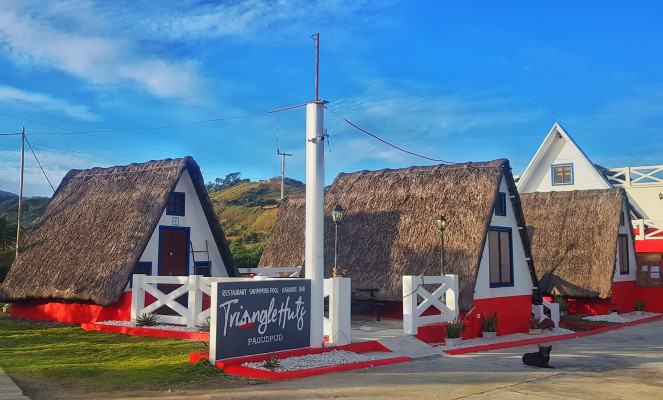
<point x="194" y="218"/>
<point x="522" y="280"/>
<point x="558" y="148"/>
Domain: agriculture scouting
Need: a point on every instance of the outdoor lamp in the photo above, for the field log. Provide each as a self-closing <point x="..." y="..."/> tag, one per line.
<point x="441" y="223"/>
<point x="337" y="213"/>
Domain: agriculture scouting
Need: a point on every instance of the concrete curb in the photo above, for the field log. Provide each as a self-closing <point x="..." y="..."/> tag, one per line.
<point x="9" y="390"/>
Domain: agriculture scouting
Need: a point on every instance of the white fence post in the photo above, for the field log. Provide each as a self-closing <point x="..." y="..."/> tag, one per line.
<point x="339" y="310"/>
<point x="444" y="298"/>
<point x="137" y="296"/>
<point x="410" y="283"/>
<point x="195" y="301"/>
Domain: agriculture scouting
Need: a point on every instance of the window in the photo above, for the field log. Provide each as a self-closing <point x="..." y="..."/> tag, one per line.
<point x="175" y="204"/>
<point x="622" y="254"/>
<point x="500" y="260"/>
<point x="500" y="204"/>
<point x="622" y="220"/>
<point x="562" y="174"/>
<point x="141" y="267"/>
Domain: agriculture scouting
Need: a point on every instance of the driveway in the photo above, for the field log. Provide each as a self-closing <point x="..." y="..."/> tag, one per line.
<point x="624" y="363"/>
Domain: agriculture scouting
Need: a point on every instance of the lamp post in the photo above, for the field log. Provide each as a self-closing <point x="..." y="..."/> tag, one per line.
<point x="441" y="223"/>
<point x="337" y="216"/>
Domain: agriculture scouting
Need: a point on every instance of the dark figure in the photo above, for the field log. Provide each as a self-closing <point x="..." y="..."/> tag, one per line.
<point x="540" y="358"/>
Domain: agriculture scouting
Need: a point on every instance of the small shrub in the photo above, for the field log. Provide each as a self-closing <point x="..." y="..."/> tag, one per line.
<point x="533" y="322"/>
<point x="456" y="327"/>
<point x="272" y="362"/>
<point x="147" y="320"/>
<point x="563" y="305"/>
<point x="640" y="305"/>
<point x="489" y="322"/>
<point x="203" y="326"/>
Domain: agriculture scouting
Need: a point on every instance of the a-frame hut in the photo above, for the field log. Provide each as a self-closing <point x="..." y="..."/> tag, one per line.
<point x="389" y="230"/>
<point x="105" y="224"/>
<point x="582" y="244"/>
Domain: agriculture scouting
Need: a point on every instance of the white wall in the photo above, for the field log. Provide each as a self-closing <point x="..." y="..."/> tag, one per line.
<point x="645" y="197"/>
<point x="522" y="279"/>
<point x="195" y="219"/>
<point x="562" y="151"/>
<point x="625" y="230"/>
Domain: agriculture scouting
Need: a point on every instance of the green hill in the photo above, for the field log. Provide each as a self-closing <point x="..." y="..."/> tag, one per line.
<point x="31" y="209"/>
<point x="247" y="211"/>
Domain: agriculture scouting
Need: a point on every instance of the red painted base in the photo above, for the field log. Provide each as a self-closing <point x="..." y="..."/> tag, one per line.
<point x="512" y="317"/>
<point x="623" y="299"/>
<point x="73" y="313"/>
<point x="161" y="333"/>
<point x="234" y="365"/>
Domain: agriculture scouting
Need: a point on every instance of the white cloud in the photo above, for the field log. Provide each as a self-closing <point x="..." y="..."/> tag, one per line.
<point x="80" y="112"/>
<point x="87" y="48"/>
<point x="55" y="164"/>
<point x="424" y="113"/>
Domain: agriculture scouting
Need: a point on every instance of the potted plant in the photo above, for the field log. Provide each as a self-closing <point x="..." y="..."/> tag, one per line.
<point x="456" y="328"/>
<point x="640" y="306"/>
<point x="563" y="305"/>
<point x="489" y="325"/>
<point x="534" y="326"/>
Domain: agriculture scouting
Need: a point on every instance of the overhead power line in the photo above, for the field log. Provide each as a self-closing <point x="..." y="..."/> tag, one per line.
<point x="42" y="168"/>
<point x="387" y="143"/>
<point x="149" y="128"/>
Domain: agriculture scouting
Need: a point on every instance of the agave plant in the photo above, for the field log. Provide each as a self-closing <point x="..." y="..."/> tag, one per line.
<point x="489" y="322"/>
<point x="147" y="320"/>
<point x="272" y="362"/>
<point x="456" y="327"/>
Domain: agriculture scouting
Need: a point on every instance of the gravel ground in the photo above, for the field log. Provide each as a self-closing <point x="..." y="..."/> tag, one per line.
<point x="180" y="328"/>
<point x="334" y="357"/>
<point x="621" y="318"/>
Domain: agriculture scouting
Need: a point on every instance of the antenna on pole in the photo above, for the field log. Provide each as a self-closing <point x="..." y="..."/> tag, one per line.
<point x="20" y="191"/>
<point x="282" y="169"/>
<point x="316" y="37"/>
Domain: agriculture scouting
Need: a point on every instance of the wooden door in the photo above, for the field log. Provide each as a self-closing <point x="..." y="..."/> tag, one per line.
<point x="173" y="260"/>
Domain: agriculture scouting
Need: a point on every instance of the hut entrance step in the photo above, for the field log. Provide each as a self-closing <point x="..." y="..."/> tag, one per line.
<point x="201" y="264"/>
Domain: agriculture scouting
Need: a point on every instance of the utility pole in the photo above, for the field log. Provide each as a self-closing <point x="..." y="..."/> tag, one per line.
<point x="20" y="191"/>
<point x="282" y="169"/>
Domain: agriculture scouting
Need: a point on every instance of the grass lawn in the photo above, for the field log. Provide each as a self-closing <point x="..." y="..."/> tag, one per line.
<point x="38" y="354"/>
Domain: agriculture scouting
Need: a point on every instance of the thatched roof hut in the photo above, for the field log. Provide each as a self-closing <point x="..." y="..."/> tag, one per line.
<point x="574" y="239"/>
<point x="96" y="228"/>
<point x="389" y="228"/>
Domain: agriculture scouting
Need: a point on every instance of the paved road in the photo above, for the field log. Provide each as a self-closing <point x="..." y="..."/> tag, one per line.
<point x="624" y="363"/>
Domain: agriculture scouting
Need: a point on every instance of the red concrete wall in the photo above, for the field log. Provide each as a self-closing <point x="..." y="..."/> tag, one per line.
<point x="622" y="299"/>
<point x="653" y="298"/>
<point x="73" y="313"/>
<point x="512" y="317"/>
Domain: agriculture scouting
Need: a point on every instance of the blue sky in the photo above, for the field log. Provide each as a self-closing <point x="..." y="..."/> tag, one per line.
<point x="458" y="81"/>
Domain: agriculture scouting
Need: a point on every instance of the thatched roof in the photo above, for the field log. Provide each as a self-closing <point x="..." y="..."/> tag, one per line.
<point x="96" y="228"/>
<point x="389" y="228"/>
<point x="574" y="239"/>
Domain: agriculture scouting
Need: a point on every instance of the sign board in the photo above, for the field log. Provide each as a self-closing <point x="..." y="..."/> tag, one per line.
<point x="259" y="316"/>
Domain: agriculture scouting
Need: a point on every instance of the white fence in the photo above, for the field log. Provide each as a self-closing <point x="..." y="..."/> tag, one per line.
<point x="630" y="176"/>
<point x="648" y="229"/>
<point x="444" y="297"/>
<point x="337" y="325"/>
<point x="539" y="311"/>
<point x="194" y="286"/>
